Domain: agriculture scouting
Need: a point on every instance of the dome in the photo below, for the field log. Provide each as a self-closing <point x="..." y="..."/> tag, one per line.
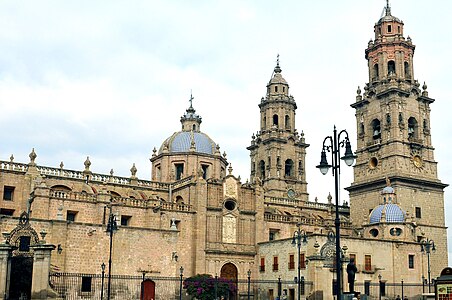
<point x="182" y="142"/>
<point x="392" y="214"/>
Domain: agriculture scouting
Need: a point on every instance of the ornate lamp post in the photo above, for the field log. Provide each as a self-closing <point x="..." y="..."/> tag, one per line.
<point x="299" y="237"/>
<point x="428" y="246"/>
<point x="249" y="283"/>
<point x="112" y="226"/>
<point x="181" y="272"/>
<point x="335" y="143"/>
<point x="102" y="282"/>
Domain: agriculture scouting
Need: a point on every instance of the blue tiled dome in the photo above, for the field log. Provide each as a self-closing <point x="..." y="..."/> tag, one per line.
<point x="181" y="142"/>
<point x="393" y="214"/>
<point x="388" y="190"/>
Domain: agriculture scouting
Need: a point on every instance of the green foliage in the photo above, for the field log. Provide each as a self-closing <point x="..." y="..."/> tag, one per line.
<point x="202" y="287"/>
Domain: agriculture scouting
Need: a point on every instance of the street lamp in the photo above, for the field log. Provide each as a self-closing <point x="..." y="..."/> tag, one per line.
<point x="112" y="226"/>
<point x="335" y="143"/>
<point x="427" y="246"/>
<point x="299" y="237"/>
<point x="181" y="272"/>
<point x="249" y="283"/>
<point x="379" y="285"/>
<point x="102" y="282"/>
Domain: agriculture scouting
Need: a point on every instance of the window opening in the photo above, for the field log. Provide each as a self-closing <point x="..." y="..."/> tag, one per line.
<point x="367" y="262"/>
<point x="125" y="220"/>
<point x="205" y="168"/>
<point x="418" y="212"/>
<point x="291" y="262"/>
<point x="376" y="75"/>
<point x="288" y="169"/>
<point x="24" y="243"/>
<point x="389" y="28"/>
<point x="6" y="212"/>
<point x="411" y="261"/>
<point x="262" y="168"/>
<point x="86" y="284"/>
<point x="406" y="67"/>
<point x="262" y="265"/>
<point x="275" y="263"/>
<point x="376" y="129"/>
<point x="391" y="67"/>
<point x="412" y="128"/>
<point x="71" y="215"/>
<point x="179" y="171"/>
<point x="8" y="193"/>
<point x="287" y="122"/>
<point x="275" y="120"/>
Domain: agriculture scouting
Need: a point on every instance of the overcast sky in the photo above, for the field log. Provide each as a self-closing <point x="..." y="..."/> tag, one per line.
<point x="110" y="79"/>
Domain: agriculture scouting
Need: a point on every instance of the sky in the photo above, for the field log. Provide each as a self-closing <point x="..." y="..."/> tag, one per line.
<point x="111" y="79"/>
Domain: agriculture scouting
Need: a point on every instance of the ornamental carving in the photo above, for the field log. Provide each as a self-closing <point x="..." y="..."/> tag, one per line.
<point x="25" y="233"/>
<point x="230" y="188"/>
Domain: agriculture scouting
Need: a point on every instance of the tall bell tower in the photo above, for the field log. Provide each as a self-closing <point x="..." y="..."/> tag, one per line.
<point x="278" y="151"/>
<point x="394" y="137"/>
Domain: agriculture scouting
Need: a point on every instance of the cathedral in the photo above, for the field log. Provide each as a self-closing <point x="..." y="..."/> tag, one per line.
<point x="195" y="216"/>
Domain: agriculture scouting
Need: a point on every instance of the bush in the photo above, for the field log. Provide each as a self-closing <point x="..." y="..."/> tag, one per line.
<point x="202" y="287"/>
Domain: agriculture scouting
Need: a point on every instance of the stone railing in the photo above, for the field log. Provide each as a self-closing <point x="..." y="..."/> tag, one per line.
<point x="303" y="204"/>
<point x="175" y="206"/>
<point x="13" y="166"/>
<point x="72" y="195"/>
<point x="279" y="218"/>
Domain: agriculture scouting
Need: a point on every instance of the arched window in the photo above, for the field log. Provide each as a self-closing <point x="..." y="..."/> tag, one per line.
<point x="276" y="89"/>
<point x="412" y="128"/>
<point x="376" y="74"/>
<point x="376" y="129"/>
<point x="300" y="167"/>
<point x="288" y="168"/>
<point x="406" y="67"/>
<point x="361" y="128"/>
<point x="262" y="168"/>
<point x="179" y="200"/>
<point x="287" y="122"/>
<point x="194" y="127"/>
<point x="275" y="120"/>
<point x="391" y="67"/>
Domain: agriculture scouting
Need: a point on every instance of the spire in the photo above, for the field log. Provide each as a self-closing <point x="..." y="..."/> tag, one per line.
<point x="277" y="68"/>
<point x="388" y="8"/>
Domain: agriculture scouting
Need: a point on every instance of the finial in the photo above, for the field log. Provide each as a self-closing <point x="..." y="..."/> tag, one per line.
<point x="277" y="68"/>
<point x="388" y="182"/>
<point x="11" y="158"/>
<point x="424" y="90"/>
<point x="87" y="163"/>
<point x="191" y="99"/>
<point x="32" y="156"/>
<point x="230" y="169"/>
<point x="388" y="9"/>
<point x="61" y="165"/>
<point x="112" y="172"/>
<point x="133" y="171"/>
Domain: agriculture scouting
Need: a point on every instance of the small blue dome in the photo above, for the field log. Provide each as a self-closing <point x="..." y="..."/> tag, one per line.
<point x="181" y="142"/>
<point x="388" y="190"/>
<point x="393" y="214"/>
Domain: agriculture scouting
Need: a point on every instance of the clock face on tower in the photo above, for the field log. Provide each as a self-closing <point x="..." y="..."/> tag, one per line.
<point x="291" y="193"/>
<point x="417" y="161"/>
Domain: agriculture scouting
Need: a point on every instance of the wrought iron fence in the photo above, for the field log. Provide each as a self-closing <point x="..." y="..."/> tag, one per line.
<point x="75" y="286"/>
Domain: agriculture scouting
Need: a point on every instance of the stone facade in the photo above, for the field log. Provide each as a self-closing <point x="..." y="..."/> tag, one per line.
<point x="195" y="213"/>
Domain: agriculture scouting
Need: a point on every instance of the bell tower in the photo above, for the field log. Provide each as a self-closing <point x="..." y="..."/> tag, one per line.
<point x="277" y="150"/>
<point x="394" y="136"/>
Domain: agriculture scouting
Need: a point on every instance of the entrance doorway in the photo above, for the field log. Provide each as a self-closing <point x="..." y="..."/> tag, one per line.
<point x="21" y="274"/>
<point x="148" y="292"/>
<point x="229" y="271"/>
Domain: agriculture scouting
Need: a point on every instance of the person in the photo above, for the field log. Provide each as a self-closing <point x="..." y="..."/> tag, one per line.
<point x="351" y="271"/>
<point x="398" y="297"/>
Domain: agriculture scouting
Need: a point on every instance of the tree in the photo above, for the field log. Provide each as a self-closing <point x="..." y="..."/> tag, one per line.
<point x="202" y="287"/>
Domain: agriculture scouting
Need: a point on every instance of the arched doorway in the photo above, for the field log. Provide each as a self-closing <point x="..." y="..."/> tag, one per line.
<point x="229" y="271"/>
<point x="148" y="292"/>
<point x="22" y="237"/>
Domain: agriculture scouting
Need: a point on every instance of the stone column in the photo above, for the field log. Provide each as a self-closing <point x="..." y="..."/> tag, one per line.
<point x="5" y="270"/>
<point x="40" y="288"/>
